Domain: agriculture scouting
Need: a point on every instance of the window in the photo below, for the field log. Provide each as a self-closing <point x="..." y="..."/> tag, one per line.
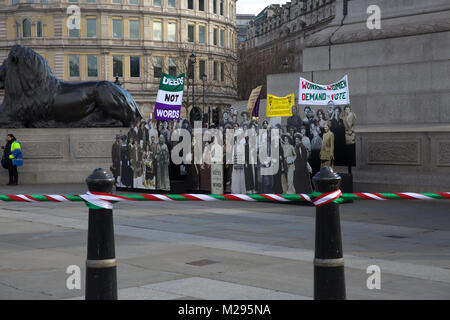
<point x="46" y="1"/>
<point x="74" y="33"/>
<point x="87" y="1"/>
<point x="69" y="1"/>
<point x="39" y="29"/>
<point x="222" y="71"/>
<point x="157" y="3"/>
<point x="221" y="7"/>
<point x="157" y="30"/>
<point x="15" y="1"/>
<point x="215" y="6"/>
<point x="201" y="5"/>
<point x="92" y="66"/>
<point x="173" y="66"/>
<point x="74" y="66"/>
<point x="202" y="68"/>
<point x="91" y="28"/>
<point x="215" y="71"/>
<point x="135" y="70"/>
<point x="134" y="29"/>
<point x="191" y="33"/>
<point x="222" y="38"/>
<point x="136" y="2"/>
<point x="191" y="4"/>
<point x="216" y="31"/>
<point x="172" y="31"/>
<point x="201" y="34"/>
<point x="26" y="28"/>
<point x="117" y="29"/>
<point x="117" y="1"/>
<point x="157" y="66"/>
<point x="172" y="3"/>
<point x="117" y="66"/>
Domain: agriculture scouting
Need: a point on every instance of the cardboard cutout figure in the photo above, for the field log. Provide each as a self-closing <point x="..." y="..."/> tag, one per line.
<point x="162" y="169"/>
<point x="349" y="119"/>
<point x="302" y="180"/>
<point x="327" y="150"/>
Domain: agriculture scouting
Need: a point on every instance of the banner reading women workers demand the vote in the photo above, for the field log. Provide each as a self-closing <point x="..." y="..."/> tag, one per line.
<point x="169" y="98"/>
<point x="317" y="94"/>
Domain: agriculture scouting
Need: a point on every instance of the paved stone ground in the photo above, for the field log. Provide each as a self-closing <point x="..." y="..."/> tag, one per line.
<point x="224" y="250"/>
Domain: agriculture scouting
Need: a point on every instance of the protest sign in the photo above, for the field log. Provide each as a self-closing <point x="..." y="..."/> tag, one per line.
<point x="169" y="98"/>
<point x="279" y="106"/>
<point x="253" y="102"/>
<point x="319" y="95"/>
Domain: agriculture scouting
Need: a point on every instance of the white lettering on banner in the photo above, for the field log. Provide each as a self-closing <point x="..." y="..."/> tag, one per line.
<point x="173" y="82"/>
<point x="168" y="113"/>
<point x="316" y="94"/>
<point x="169" y="98"/>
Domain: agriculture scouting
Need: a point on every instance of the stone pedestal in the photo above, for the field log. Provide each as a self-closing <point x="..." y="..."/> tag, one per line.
<point x="408" y="158"/>
<point x="62" y="155"/>
<point x="399" y="84"/>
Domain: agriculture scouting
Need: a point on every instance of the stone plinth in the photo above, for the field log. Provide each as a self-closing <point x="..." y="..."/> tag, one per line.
<point x="409" y="158"/>
<point x="62" y="155"/>
<point x="399" y="83"/>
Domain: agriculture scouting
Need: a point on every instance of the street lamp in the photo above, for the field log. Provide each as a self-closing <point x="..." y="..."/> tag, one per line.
<point x="204" y="78"/>
<point x="193" y="60"/>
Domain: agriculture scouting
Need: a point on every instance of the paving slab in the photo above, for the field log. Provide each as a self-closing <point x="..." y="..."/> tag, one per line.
<point x="224" y="250"/>
<point x="204" y="288"/>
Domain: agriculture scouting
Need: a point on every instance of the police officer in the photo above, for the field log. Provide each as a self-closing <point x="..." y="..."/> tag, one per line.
<point x="13" y="158"/>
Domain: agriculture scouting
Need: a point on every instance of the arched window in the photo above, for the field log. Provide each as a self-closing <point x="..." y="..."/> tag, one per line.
<point x="26" y="28"/>
<point x="39" y="29"/>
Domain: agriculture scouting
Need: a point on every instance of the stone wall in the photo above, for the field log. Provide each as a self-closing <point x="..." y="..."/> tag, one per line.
<point x="61" y="155"/>
<point x="399" y="81"/>
<point x="406" y="158"/>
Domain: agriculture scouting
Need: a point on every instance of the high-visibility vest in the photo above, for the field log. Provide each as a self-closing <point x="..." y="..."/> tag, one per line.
<point x="16" y="154"/>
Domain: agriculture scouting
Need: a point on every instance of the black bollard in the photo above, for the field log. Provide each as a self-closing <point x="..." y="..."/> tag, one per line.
<point x="101" y="273"/>
<point x="329" y="279"/>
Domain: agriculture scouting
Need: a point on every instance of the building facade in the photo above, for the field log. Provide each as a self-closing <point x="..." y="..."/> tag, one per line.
<point x="134" y="40"/>
<point x="280" y="30"/>
<point x="242" y="21"/>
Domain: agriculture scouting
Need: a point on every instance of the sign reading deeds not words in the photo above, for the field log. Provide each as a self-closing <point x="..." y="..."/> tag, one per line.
<point x="279" y="106"/>
<point x="317" y="94"/>
<point x="169" y="98"/>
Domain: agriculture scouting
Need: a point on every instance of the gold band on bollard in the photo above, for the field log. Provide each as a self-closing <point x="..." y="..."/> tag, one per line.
<point x="98" y="264"/>
<point x="329" y="262"/>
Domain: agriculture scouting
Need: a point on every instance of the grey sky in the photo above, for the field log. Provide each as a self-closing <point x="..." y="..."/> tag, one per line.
<point x="255" y="6"/>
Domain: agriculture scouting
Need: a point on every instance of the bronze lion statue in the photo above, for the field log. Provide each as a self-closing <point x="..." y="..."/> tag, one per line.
<point x="35" y="98"/>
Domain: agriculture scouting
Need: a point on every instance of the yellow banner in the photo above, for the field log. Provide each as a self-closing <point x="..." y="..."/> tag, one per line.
<point x="279" y="106"/>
